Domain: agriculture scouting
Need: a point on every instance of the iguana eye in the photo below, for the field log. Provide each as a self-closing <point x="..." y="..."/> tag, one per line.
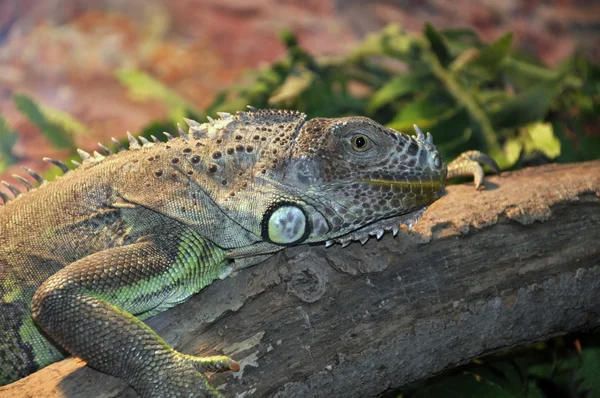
<point x="360" y="142"/>
<point x="437" y="161"/>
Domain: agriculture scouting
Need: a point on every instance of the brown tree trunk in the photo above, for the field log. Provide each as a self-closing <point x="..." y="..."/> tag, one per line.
<point x="483" y="271"/>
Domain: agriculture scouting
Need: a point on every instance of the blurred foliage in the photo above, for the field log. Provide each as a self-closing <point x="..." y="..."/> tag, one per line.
<point x="469" y="94"/>
<point x="57" y="126"/>
<point x="143" y="87"/>
<point x="8" y="139"/>
<point x="565" y="367"/>
<point x="588" y="374"/>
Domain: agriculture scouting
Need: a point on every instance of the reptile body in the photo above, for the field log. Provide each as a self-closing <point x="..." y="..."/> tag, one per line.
<point x="84" y="259"/>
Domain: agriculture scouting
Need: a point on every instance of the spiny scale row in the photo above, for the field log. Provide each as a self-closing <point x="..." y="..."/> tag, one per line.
<point x="198" y="129"/>
<point x="421" y="136"/>
<point x="104" y="152"/>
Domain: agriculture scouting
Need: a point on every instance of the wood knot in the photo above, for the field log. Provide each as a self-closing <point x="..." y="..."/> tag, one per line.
<point x="307" y="278"/>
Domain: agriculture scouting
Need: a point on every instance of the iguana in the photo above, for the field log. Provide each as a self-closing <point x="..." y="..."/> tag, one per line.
<point x="85" y="258"/>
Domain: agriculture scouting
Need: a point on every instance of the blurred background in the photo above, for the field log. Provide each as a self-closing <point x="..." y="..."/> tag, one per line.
<point x="518" y="79"/>
<point x="81" y="57"/>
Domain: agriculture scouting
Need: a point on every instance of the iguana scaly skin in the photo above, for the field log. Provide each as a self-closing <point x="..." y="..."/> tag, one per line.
<point x="124" y="236"/>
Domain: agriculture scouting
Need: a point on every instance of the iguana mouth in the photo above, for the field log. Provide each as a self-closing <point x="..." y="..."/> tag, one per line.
<point x="379" y="228"/>
<point x="435" y="185"/>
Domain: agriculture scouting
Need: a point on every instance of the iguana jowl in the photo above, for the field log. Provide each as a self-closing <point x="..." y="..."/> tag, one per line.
<point x="125" y="236"/>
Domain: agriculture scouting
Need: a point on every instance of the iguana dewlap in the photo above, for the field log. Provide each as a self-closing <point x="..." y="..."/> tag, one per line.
<point x="85" y="258"/>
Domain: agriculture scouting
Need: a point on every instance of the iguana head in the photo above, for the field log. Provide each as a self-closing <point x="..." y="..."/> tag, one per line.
<point x="361" y="177"/>
<point x="341" y="180"/>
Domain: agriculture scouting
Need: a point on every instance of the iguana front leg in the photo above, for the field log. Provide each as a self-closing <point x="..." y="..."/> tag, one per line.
<point x="468" y="164"/>
<point x="87" y="308"/>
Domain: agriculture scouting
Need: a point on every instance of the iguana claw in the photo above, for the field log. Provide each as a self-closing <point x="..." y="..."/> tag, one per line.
<point x="468" y="164"/>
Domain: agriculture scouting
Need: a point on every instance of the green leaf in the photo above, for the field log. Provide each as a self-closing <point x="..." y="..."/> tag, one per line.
<point x="288" y="38"/>
<point x="143" y="87"/>
<point x="391" y="41"/>
<point x="541" y="370"/>
<point x="525" y="74"/>
<point x="454" y="135"/>
<point x="529" y="106"/>
<point x="8" y="139"/>
<point x="396" y="88"/>
<point x="63" y="120"/>
<point x="542" y="138"/>
<point x="293" y="87"/>
<point x="492" y="98"/>
<point x="512" y="150"/>
<point x="437" y="44"/>
<point x="58" y="136"/>
<point x="425" y="112"/>
<point x="489" y="60"/>
<point x="588" y="373"/>
<point x="460" y="39"/>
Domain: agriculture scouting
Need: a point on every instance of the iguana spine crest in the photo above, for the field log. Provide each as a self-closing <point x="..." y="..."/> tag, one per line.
<point x="197" y="130"/>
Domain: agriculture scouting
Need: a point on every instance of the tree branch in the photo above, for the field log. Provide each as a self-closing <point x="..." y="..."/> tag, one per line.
<point x="483" y="271"/>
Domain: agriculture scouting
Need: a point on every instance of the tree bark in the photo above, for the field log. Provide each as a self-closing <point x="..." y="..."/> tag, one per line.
<point x="483" y="271"/>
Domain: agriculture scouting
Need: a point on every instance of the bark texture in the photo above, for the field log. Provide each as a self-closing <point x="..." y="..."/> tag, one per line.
<point x="482" y="271"/>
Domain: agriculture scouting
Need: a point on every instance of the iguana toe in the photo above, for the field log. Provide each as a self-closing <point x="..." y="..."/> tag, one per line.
<point x="469" y="164"/>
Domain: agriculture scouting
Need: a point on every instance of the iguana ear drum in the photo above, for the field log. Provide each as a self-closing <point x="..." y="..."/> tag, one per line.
<point x="285" y="224"/>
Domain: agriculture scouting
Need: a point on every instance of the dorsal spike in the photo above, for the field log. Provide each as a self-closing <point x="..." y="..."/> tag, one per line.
<point x="57" y="163"/>
<point x="169" y="136"/>
<point x="211" y="120"/>
<point x="104" y="150"/>
<point x="133" y="143"/>
<point x="243" y="116"/>
<point x="191" y="123"/>
<point x="29" y="186"/>
<point x="224" y="115"/>
<point x="15" y="191"/>
<point x="4" y="197"/>
<point x="119" y="146"/>
<point x="144" y="140"/>
<point x="84" y="155"/>
<point x="252" y="109"/>
<point x="420" y="134"/>
<point x="33" y="174"/>
<point x="76" y="163"/>
<point x="98" y="156"/>
<point x="429" y="138"/>
<point x="182" y="133"/>
<point x="154" y="138"/>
